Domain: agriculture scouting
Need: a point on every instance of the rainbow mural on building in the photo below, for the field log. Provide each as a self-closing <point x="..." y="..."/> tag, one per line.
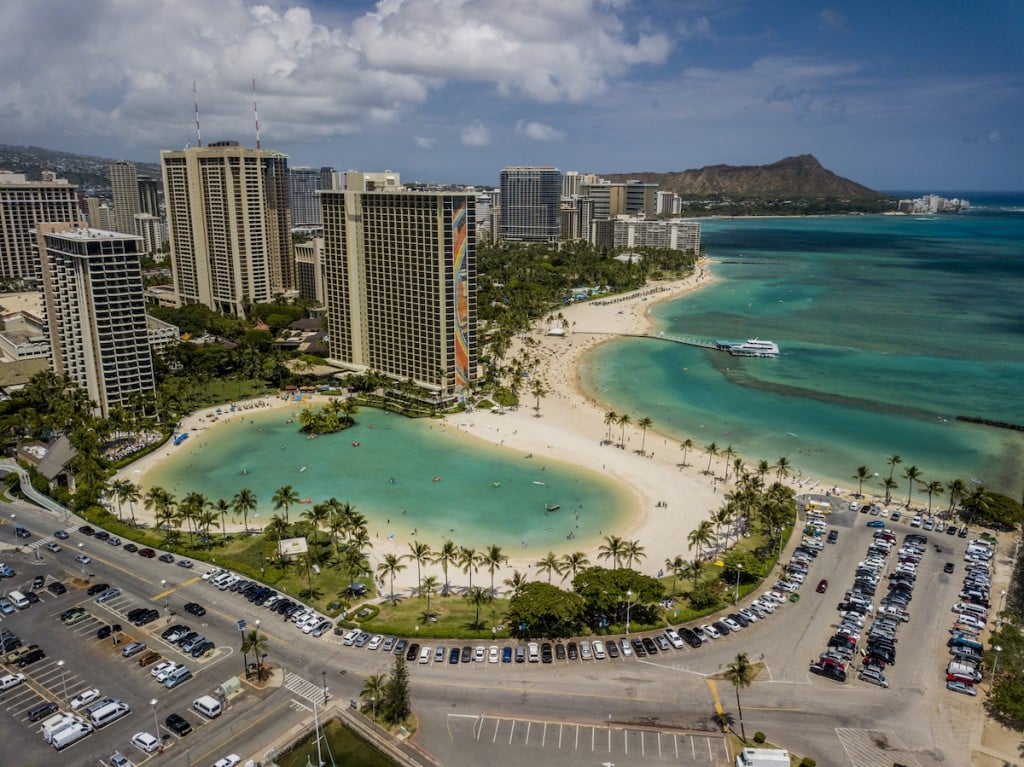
<point x="460" y="230"/>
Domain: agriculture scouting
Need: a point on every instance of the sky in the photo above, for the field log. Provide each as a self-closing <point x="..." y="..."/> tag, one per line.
<point x="908" y="95"/>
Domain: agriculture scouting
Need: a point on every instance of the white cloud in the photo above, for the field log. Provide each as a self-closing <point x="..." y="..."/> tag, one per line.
<point x="539" y="131"/>
<point x="424" y="142"/>
<point x="475" y="134"/>
<point x="830" y="18"/>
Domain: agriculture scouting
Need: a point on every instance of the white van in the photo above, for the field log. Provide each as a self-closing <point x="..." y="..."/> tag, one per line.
<point x="973" y="550"/>
<point x="963" y="669"/>
<point x="18" y="599"/>
<point x="72" y="733"/>
<point x="208" y="706"/>
<point x="966" y="608"/>
<point x="54" y="724"/>
<point x="109" y="713"/>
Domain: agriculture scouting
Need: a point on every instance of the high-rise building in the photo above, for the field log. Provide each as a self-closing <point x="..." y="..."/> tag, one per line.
<point x="303" y="185"/>
<point x="637" y="231"/>
<point x="613" y="199"/>
<point x="228" y="225"/>
<point x="93" y="293"/>
<point x="309" y="269"/>
<point x="23" y="205"/>
<point x="530" y="201"/>
<point x="372" y="181"/>
<point x="330" y="178"/>
<point x="400" y="285"/>
<point x="124" y="184"/>
<point x="149" y="196"/>
<point x="151" y="230"/>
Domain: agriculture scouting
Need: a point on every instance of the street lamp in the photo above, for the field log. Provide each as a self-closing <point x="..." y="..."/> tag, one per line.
<point x="256" y="651"/>
<point x="156" y="724"/>
<point x="373" y="706"/>
<point x="995" y="664"/>
<point x="629" y="596"/>
<point x="245" y="655"/>
<point x="327" y="695"/>
<point x="736" y="593"/>
<point x="63" y="680"/>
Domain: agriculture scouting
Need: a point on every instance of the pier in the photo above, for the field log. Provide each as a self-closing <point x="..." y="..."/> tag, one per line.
<point x="671" y="339"/>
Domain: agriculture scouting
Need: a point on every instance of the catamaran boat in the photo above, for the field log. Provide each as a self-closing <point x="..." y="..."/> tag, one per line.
<point x="754" y="347"/>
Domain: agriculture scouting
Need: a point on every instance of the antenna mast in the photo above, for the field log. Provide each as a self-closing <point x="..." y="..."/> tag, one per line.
<point x="256" y="114"/>
<point x="195" y="100"/>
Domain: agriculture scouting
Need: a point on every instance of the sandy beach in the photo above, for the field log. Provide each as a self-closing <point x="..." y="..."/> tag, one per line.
<point x="668" y="500"/>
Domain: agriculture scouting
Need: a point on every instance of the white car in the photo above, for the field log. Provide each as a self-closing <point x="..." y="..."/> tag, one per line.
<point x="710" y="631"/>
<point x="212" y="572"/>
<point x="585" y="650"/>
<point x="228" y="761"/>
<point x="479" y="654"/>
<point x="776" y="597"/>
<point x="375" y="642"/>
<point x="84" y="697"/>
<point x="164" y="673"/>
<point x="598" y="646"/>
<point x="627" y="648"/>
<point x="750" y="615"/>
<point x="733" y="625"/>
<point x="160" y="668"/>
<point x="82" y="559"/>
<point x="674" y="639"/>
<point x="425" y="653"/>
<point x="492" y="654"/>
<point x="146" y="741"/>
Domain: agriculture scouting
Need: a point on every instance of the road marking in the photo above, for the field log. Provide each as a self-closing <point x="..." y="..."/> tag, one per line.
<point x="512" y="730"/>
<point x="304" y="688"/>
<point x="171" y="590"/>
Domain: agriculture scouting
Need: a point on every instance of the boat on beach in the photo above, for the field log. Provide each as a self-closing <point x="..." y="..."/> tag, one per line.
<point x="552" y="506"/>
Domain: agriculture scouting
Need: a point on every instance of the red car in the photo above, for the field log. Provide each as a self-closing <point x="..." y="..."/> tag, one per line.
<point x="822" y="586"/>
<point x="147" y="553"/>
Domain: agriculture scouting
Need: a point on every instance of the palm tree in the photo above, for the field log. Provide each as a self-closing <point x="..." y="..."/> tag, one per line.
<point x="469" y="561"/>
<point x="256" y="643"/>
<point x="675" y="565"/>
<point x="493" y="558"/>
<point x="429" y="587"/>
<point x="644" y="423"/>
<point x="573" y="563"/>
<point x="612" y="549"/>
<point x="912" y="474"/>
<point x="538" y="390"/>
<point x="117" y="490"/>
<point x="957" y="490"/>
<point x="763" y="467"/>
<point x="131" y="494"/>
<point x="477" y="596"/>
<point x="727" y="454"/>
<point x="741" y="673"/>
<point x="782" y="468"/>
<point x="712" y="450"/>
<point x="317" y="515"/>
<point x="447" y="555"/>
<point x="935" y="487"/>
<point x="893" y="461"/>
<point x="624" y="421"/>
<point x="686" y="446"/>
<point x="420" y="553"/>
<point x="632" y="550"/>
<point x="611" y="417"/>
<point x="860" y="475"/>
<point x="700" y="536"/>
<point x="391" y="565"/>
<point x="221" y="507"/>
<point x="549" y="564"/>
<point x="373" y="691"/>
<point x="515" y="583"/>
<point x="889" y="484"/>
<point x="243" y="503"/>
<point x="284" y="497"/>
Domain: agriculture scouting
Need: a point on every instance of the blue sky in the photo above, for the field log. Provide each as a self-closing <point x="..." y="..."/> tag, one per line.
<point x="908" y="95"/>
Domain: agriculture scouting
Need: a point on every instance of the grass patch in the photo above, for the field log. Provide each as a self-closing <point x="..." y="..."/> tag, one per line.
<point x="453" y="616"/>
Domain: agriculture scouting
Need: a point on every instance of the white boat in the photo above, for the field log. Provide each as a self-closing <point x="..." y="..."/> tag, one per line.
<point x="753" y="347"/>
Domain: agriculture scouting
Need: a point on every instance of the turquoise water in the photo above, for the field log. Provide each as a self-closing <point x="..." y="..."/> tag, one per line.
<point x="389" y="478"/>
<point x="890" y="327"/>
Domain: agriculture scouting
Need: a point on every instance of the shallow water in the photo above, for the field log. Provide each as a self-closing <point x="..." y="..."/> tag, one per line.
<point x="890" y="327"/>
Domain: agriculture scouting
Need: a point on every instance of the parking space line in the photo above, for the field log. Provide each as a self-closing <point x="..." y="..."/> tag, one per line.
<point x="544" y="735"/>
<point x="497" y="724"/>
<point x="528" y="728"/>
<point x="625" y="741"/>
<point x="693" y="748"/>
<point x="675" y="742"/>
<point x="510" y="732"/>
<point x="576" y="744"/>
<point x="711" y="758"/>
<point x="560" y="728"/>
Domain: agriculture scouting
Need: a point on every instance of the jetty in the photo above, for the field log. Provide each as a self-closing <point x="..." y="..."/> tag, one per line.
<point x="718" y="346"/>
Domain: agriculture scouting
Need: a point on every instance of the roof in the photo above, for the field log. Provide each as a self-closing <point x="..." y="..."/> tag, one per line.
<point x="16" y="374"/>
<point x="57" y="457"/>
<point x="305" y="324"/>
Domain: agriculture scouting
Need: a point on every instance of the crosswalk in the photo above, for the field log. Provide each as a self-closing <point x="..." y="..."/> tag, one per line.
<point x="38" y="543"/>
<point x="314" y="693"/>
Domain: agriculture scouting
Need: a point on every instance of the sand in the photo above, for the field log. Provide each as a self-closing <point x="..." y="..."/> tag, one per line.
<point x="668" y="500"/>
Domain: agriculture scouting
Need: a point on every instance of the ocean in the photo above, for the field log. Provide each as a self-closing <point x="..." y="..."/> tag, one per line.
<point x="890" y="327"/>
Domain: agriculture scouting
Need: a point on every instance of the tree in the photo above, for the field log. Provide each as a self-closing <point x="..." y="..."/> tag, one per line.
<point x="390" y="567"/>
<point x="419" y="553"/>
<point x="644" y="423"/>
<point x="893" y="461"/>
<point x="728" y="454"/>
<point x="549" y="564"/>
<point x="477" y="597"/>
<point x="740" y="673"/>
<point x="397" y="704"/>
<point x="712" y="450"/>
<point x="243" y="503"/>
<point x="610" y="418"/>
<point x="573" y="563"/>
<point x="889" y="484"/>
<point x="706" y="595"/>
<point x="686" y="446"/>
<point x="516" y="582"/>
<point x="933" y="488"/>
<point x="860" y="475"/>
<point x="447" y="555"/>
<point x="284" y="498"/>
<point x="763" y="467"/>
<point x="957" y="490"/>
<point x="675" y="565"/>
<point x="222" y="507"/>
<point x="612" y="549"/>
<point x="538" y="390"/>
<point x="624" y="421"/>
<point x="493" y="558"/>
<point x="633" y="551"/>
<point x="373" y="691"/>
<point x="256" y="643"/>
<point x="782" y="469"/>
<point x="543" y="610"/>
<point x="700" y="536"/>
<point x="469" y="561"/>
<point x="316" y="515"/>
<point x="428" y="587"/>
<point x="912" y="474"/>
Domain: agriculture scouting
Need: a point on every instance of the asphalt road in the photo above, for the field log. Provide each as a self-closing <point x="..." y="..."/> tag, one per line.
<point x="626" y="711"/>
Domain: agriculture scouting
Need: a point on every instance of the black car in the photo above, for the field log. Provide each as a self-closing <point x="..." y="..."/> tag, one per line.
<point x="559" y="651"/>
<point x="638" y="648"/>
<point x="86" y="530"/>
<point x="104" y="631"/>
<point x="413" y="652"/>
<point x="31" y="596"/>
<point x="30" y="658"/>
<point x="131" y="548"/>
<point x="38" y="581"/>
<point x="572" y="651"/>
<point x="612" y="647"/>
<point x="951" y="530"/>
<point x="829" y="670"/>
<point x="97" y="588"/>
<point x="649" y="646"/>
<point x="135" y="613"/>
<point x="545" y="652"/>
<point x="102" y="535"/>
<point x="41" y="710"/>
<point x="722" y="628"/>
<point x="166" y="558"/>
<point x="147" y="617"/>
<point x="833" y="536"/>
<point x="739" y="619"/>
<point x="453" y="656"/>
<point x="467" y="654"/>
<point x="178" y="724"/>
<point x="195" y="608"/>
<point x="690" y="637"/>
<point x="202" y="648"/>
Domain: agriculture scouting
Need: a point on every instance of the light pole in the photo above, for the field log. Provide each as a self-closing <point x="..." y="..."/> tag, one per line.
<point x="256" y="650"/>
<point x="736" y="593"/>
<point x="629" y="596"/>
<point x="63" y="680"/>
<point x="327" y="695"/>
<point x="156" y="724"/>
<point x="245" y="656"/>
<point x="373" y="707"/>
<point x="995" y="664"/>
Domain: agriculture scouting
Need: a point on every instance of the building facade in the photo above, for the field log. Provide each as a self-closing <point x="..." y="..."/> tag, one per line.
<point x="637" y="232"/>
<point x="309" y="269"/>
<point x="303" y="185"/>
<point x="93" y="293"/>
<point x="23" y="205"/>
<point x="228" y="225"/>
<point x="400" y="285"/>
<point x="149" y="196"/>
<point x="124" y="185"/>
<point x="530" y="203"/>
<point x="151" y="230"/>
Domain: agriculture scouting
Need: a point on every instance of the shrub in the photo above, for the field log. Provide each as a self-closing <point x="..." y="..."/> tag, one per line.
<point x="807" y="762"/>
<point x="759" y="737"/>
